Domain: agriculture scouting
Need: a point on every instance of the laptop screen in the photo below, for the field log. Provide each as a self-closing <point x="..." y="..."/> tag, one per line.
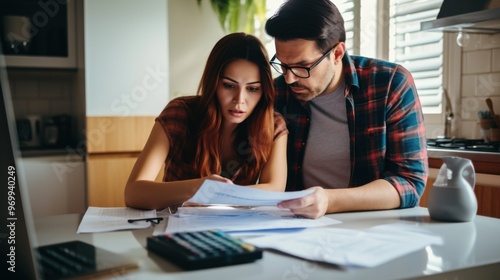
<point x="17" y="237"/>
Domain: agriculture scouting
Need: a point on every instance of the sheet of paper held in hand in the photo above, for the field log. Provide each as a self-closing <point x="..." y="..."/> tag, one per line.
<point x="238" y="209"/>
<point x="102" y="219"/>
<point x="215" y="192"/>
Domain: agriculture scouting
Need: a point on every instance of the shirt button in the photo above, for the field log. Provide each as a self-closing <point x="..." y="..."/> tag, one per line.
<point x="303" y="143"/>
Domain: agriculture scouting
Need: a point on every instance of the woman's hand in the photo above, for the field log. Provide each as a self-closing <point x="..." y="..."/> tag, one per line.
<point x="213" y="177"/>
<point x="216" y="177"/>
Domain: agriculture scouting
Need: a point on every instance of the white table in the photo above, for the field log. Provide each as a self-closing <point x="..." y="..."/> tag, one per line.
<point x="470" y="251"/>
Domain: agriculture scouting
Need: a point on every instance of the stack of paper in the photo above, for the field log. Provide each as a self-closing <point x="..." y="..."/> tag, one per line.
<point x="264" y="219"/>
<point x="234" y="208"/>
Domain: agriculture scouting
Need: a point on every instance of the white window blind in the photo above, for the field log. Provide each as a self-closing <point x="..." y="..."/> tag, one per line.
<point x="349" y="9"/>
<point x="418" y="51"/>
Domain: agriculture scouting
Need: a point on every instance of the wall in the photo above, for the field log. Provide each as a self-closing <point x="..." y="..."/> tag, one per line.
<point x="480" y="79"/>
<point x="126" y="57"/>
<point x="193" y="31"/>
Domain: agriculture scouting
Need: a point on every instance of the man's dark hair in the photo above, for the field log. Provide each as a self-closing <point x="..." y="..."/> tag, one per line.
<point x="317" y="20"/>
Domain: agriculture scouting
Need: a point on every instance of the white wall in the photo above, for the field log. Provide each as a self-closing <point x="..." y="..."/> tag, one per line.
<point x="126" y="57"/>
<point x="480" y="79"/>
<point x="473" y="74"/>
<point x="193" y="31"/>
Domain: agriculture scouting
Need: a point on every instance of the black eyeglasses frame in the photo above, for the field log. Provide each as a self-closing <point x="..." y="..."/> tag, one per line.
<point x="279" y="67"/>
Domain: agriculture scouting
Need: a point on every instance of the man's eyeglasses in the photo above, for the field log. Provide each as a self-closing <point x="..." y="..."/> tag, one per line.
<point x="299" y="71"/>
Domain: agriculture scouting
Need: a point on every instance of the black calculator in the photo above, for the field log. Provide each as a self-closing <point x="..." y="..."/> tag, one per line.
<point x="203" y="249"/>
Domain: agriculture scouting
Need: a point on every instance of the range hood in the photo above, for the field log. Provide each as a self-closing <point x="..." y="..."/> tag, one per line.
<point x="471" y="16"/>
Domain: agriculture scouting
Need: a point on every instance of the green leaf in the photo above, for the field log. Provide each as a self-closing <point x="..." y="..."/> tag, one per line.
<point x="234" y="16"/>
<point x="239" y="15"/>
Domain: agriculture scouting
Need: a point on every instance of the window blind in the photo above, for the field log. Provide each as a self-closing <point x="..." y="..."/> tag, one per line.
<point x="349" y="9"/>
<point x="418" y="51"/>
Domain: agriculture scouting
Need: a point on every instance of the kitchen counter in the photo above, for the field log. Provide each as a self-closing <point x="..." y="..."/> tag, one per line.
<point x="44" y="152"/>
<point x="472" y="155"/>
<point x="484" y="162"/>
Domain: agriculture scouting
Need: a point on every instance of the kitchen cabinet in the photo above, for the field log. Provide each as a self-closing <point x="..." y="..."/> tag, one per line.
<point x="107" y="176"/>
<point x="113" y="145"/>
<point x="40" y="34"/>
<point x="56" y="184"/>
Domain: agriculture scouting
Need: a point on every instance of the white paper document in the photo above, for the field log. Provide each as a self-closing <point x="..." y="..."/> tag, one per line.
<point x="101" y="219"/>
<point x="348" y="247"/>
<point x="238" y="220"/>
<point x="215" y="192"/>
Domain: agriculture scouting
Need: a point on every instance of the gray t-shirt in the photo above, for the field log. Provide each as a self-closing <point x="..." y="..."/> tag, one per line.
<point x="327" y="160"/>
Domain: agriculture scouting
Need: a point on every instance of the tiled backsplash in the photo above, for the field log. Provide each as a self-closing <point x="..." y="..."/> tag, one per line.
<point x="44" y="92"/>
<point x="480" y="79"/>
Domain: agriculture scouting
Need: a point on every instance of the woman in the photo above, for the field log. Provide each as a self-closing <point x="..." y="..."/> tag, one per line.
<point x="228" y="132"/>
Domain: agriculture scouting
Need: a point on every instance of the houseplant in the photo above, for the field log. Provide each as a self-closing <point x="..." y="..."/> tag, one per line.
<point x="239" y="15"/>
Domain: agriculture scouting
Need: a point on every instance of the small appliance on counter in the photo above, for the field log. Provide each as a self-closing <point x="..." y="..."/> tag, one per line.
<point x="29" y="131"/>
<point x="38" y="132"/>
<point x="58" y="131"/>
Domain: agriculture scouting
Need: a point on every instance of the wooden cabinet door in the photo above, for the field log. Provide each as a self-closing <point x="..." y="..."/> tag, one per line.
<point x="107" y="176"/>
<point x="113" y="145"/>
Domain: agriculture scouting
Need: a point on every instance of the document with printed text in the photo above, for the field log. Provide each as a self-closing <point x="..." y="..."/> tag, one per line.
<point x="264" y="219"/>
<point x="215" y="192"/>
<point x="349" y="247"/>
<point x="102" y="219"/>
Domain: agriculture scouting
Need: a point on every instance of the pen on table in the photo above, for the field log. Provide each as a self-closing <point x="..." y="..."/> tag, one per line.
<point x="152" y="220"/>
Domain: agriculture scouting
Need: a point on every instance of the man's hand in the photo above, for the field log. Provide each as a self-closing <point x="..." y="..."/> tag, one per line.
<point x="312" y="206"/>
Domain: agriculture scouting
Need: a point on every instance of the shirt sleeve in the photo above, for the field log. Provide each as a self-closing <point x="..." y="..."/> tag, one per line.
<point x="406" y="158"/>
<point x="279" y="126"/>
<point x="173" y="120"/>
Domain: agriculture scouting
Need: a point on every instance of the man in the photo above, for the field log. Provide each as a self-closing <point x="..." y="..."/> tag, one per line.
<point x="356" y="125"/>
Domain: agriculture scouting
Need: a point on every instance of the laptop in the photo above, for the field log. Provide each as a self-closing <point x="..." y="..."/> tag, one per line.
<point x="20" y="256"/>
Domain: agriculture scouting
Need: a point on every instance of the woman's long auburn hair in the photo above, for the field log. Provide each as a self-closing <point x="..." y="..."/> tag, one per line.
<point x="254" y="136"/>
